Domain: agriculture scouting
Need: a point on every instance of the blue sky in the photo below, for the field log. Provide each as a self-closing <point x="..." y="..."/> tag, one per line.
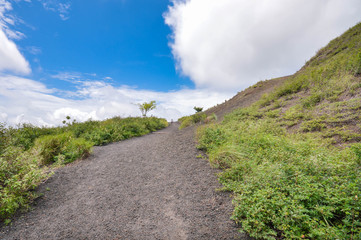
<point x="123" y="40"/>
<point x="97" y="59"/>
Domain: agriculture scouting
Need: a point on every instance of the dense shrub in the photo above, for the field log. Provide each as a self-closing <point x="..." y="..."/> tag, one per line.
<point x="185" y="122"/>
<point x="3" y="137"/>
<point x="19" y="175"/>
<point x="24" y="135"/>
<point x="27" y="151"/>
<point x="62" y="146"/>
<point x="286" y="185"/>
<point x="212" y="137"/>
<point x="192" y="119"/>
<point x="117" y="129"/>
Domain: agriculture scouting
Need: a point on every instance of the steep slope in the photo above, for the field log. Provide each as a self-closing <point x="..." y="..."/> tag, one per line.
<point x="246" y="97"/>
<point x="323" y="96"/>
<point x="293" y="158"/>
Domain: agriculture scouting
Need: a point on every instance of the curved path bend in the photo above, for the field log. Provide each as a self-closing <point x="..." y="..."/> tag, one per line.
<point x="150" y="187"/>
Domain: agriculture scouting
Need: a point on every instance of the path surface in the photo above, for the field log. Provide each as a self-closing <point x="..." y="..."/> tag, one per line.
<point x="151" y="187"/>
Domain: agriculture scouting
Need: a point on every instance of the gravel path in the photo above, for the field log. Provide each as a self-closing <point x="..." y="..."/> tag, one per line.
<point x="151" y="187"/>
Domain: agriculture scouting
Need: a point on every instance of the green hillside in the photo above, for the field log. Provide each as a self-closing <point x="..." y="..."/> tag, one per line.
<point x="293" y="158"/>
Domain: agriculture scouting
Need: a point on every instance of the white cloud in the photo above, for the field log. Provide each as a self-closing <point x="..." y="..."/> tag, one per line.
<point x="7" y="20"/>
<point x="24" y="100"/>
<point x="234" y="43"/>
<point x="34" y="50"/>
<point x="72" y="77"/>
<point x="61" y="8"/>
<point x="10" y="57"/>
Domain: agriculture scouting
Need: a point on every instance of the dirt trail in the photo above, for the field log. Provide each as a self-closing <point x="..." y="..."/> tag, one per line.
<point x="151" y="187"/>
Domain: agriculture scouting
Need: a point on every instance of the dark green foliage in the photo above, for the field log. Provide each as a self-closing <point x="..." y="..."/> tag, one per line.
<point x="284" y="184"/>
<point x="198" y="117"/>
<point x="198" y="109"/>
<point x="25" y="135"/>
<point x="211" y="138"/>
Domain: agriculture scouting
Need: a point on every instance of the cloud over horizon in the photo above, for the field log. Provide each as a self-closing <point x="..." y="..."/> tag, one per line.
<point x="23" y="100"/>
<point x="232" y="44"/>
<point x="223" y="46"/>
<point x="27" y="101"/>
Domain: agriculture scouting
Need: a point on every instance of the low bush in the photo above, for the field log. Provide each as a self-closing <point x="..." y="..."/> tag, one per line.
<point x="198" y="117"/>
<point x="211" y="137"/>
<point x="62" y="146"/>
<point x="25" y="135"/>
<point x="27" y="151"/>
<point x="117" y="129"/>
<point x="313" y="100"/>
<point x="19" y="175"/>
<point x="192" y="119"/>
<point x="313" y="125"/>
<point x="185" y="122"/>
<point x="212" y="118"/>
<point x="286" y="185"/>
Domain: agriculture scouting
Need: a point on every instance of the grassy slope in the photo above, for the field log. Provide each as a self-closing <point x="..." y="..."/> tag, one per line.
<point x="246" y="97"/>
<point x="293" y="158"/>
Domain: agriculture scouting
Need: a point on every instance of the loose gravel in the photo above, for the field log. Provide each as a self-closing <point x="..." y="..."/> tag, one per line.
<point x="150" y="187"/>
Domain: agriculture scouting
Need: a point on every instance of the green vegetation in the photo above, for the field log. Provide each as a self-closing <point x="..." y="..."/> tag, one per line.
<point x="191" y="120"/>
<point x="146" y="107"/>
<point x="28" y="153"/>
<point x="198" y="109"/>
<point x="293" y="159"/>
<point x="285" y="184"/>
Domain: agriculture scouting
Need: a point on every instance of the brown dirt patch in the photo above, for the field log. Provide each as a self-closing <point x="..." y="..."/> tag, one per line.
<point x="246" y="97"/>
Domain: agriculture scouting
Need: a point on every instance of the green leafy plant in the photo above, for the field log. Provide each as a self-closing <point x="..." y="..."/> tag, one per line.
<point x="285" y="185"/>
<point x="27" y="153"/>
<point x="19" y="175"/>
<point x="192" y="119"/>
<point x="64" y="146"/>
<point x="198" y="109"/>
<point x="146" y="107"/>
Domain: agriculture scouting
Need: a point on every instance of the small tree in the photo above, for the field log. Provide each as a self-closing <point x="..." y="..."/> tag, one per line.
<point x="146" y="107"/>
<point x="68" y="121"/>
<point x="198" y="109"/>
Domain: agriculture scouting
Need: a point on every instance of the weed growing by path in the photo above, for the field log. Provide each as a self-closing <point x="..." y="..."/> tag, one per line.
<point x="28" y="152"/>
<point x="284" y="184"/>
